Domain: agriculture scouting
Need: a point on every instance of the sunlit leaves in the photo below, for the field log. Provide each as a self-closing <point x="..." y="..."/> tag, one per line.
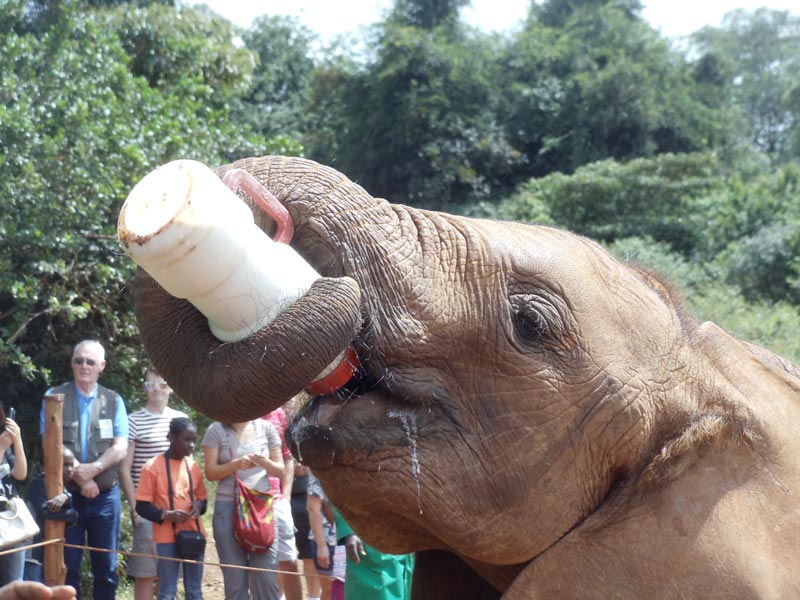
<point x="78" y="129"/>
<point x="591" y="80"/>
<point x="419" y="124"/>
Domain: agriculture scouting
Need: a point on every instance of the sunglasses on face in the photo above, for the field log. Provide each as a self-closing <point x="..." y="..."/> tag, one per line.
<point x="154" y="385"/>
<point x="80" y="360"/>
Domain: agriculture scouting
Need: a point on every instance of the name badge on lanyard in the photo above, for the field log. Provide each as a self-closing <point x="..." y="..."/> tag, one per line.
<point x="106" y="429"/>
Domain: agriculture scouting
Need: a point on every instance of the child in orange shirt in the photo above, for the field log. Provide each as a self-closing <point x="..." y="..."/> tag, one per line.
<point x="183" y="513"/>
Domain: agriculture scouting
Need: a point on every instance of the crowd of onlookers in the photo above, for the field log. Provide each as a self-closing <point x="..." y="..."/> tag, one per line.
<point x="147" y="457"/>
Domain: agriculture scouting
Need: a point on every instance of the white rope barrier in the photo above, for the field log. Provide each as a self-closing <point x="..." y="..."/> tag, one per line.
<point x="62" y="542"/>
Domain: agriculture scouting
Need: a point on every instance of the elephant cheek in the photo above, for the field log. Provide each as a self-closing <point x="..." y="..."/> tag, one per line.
<point x="243" y="380"/>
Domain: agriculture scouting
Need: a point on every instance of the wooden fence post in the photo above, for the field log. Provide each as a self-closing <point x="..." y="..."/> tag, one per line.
<point x="55" y="571"/>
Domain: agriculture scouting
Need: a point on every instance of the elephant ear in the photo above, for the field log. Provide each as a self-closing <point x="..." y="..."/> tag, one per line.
<point x="239" y="381"/>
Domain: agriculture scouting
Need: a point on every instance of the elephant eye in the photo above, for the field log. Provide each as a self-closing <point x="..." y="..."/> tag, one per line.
<point x="530" y="324"/>
<point x="541" y="321"/>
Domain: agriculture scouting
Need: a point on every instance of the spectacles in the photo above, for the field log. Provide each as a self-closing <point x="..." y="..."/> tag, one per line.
<point x="154" y="385"/>
<point x="79" y="360"/>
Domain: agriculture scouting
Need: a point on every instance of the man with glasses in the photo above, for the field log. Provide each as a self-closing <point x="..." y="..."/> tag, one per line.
<point x="147" y="437"/>
<point x="95" y="428"/>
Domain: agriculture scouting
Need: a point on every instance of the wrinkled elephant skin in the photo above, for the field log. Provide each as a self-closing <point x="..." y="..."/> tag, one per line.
<point x="534" y="418"/>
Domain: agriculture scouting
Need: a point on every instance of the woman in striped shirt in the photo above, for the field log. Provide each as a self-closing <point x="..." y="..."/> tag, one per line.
<point x="147" y="437"/>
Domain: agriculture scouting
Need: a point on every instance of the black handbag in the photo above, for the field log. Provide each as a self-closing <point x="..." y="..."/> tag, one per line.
<point x="189" y="544"/>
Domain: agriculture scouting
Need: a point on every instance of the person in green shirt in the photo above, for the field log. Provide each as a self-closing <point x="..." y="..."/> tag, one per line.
<point x="372" y="574"/>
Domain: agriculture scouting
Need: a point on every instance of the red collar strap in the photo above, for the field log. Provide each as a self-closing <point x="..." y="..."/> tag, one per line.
<point x="338" y="377"/>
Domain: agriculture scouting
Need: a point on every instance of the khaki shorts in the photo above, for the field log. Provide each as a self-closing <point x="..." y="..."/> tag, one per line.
<point x="140" y="566"/>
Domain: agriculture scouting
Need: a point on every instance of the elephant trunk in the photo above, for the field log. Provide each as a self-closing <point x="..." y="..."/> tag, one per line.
<point x="224" y="373"/>
<point x="239" y="381"/>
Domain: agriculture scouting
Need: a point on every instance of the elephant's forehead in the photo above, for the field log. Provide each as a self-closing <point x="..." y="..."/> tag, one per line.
<point x="548" y="253"/>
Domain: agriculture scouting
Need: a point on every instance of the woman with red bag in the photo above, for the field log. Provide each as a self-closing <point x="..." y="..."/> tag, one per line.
<point x="249" y="451"/>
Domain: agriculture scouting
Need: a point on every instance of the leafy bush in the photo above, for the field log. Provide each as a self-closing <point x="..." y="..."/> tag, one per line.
<point x="773" y="325"/>
<point x="657" y="257"/>
<point x="78" y="130"/>
<point x="609" y="200"/>
<point x="763" y="264"/>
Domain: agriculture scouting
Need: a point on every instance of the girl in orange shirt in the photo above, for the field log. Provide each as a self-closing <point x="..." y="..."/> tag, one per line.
<point x="183" y="513"/>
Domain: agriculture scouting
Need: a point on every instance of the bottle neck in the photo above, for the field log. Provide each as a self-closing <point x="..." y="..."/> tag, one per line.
<point x="338" y="377"/>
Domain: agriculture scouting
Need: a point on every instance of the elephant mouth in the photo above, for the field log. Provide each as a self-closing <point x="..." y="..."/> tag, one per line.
<point x="373" y="418"/>
<point x="339" y="426"/>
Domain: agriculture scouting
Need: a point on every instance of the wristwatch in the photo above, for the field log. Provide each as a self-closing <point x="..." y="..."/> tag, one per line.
<point x="100" y="466"/>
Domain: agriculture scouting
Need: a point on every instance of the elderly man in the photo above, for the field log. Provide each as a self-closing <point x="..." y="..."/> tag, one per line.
<point x="96" y="430"/>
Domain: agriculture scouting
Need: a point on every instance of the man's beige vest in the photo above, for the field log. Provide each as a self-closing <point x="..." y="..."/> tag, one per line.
<point x="104" y="406"/>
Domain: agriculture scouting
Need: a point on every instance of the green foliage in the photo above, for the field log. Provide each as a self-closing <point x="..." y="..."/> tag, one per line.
<point x="763" y="264"/>
<point x="749" y="229"/>
<point x="756" y="229"/>
<point x="189" y="51"/>
<point x="557" y="13"/>
<point x="608" y="200"/>
<point x="774" y="325"/>
<point x="140" y="3"/>
<point x="418" y="125"/>
<point x="426" y="14"/>
<point x="275" y="103"/>
<point x="71" y="150"/>
<point x="658" y="257"/>
<point x="592" y="80"/>
<point x="758" y="56"/>
<point x="78" y="130"/>
<point x="191" y="62"/>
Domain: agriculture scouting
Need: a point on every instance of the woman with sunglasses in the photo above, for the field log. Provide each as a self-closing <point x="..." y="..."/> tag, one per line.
<point x="147" y="437"/>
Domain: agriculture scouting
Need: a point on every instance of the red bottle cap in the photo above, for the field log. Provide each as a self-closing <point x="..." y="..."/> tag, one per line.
<point x="338" y="377"/>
